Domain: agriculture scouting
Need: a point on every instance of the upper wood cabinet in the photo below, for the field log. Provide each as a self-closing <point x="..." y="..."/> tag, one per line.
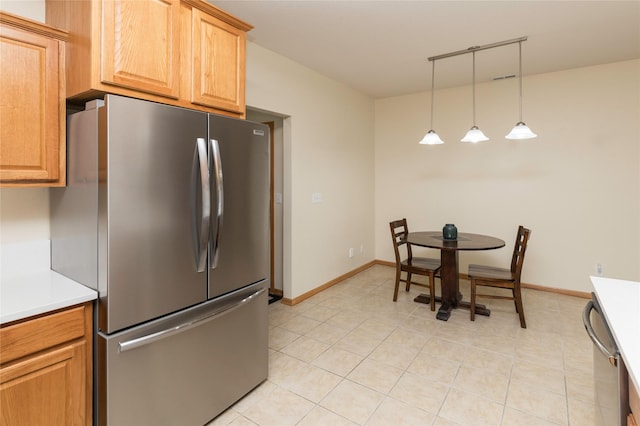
<point x="140" y="45"/>
<point x="32" y="105"/>
<point x="180" y="52"/>
<point x="218" y="65"/>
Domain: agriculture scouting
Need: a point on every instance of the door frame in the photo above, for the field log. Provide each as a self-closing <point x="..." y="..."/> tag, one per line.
<point x="272" y="211"/>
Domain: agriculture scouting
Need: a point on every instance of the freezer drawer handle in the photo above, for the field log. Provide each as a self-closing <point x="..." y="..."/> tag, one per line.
<point x="154" y="337"/>
<point x="592" y="335"/>
<point x="201" y="236"/>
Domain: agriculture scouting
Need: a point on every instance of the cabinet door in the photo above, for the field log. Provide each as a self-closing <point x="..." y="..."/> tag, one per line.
<point x="141" y="41"/>
<point x="29" y="107"/>
<point x="218" y="52"/>
<point x="48" y="389"/>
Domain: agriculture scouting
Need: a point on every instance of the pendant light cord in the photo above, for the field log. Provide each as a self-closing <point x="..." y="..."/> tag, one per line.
<point x="474" y="88"/>
<point x="433" y="76"/>
<point x="520" y="66"/>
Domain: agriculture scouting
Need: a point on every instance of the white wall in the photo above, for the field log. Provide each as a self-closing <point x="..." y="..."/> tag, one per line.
<point x="577" y="186"/>
<point x="328" y="149"/>
<point x="32" y="9"/>
<point x="24" y="214"/>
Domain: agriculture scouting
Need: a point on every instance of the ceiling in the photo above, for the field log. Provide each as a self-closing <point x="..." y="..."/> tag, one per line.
<point x="381" y="47"/>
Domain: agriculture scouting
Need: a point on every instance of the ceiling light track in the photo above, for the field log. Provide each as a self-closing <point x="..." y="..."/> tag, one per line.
<point x="477" y="48"/>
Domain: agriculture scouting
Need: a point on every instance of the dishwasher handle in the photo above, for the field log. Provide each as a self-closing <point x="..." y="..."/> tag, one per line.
<point x="613" y="359"/>
<point x="154" y="337"/>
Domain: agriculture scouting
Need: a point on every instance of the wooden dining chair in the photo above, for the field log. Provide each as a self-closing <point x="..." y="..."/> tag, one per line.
<point x="492" y="276"/>
<point x="411" y="265"/>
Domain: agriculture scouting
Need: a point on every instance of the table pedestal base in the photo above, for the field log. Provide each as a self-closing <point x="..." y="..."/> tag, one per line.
<point x="444" y="312"/>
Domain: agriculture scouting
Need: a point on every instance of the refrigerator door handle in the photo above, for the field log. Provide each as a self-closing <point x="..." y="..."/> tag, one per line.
<point x="219" y="212"/>
<point x="200" y="170"/>
<point x="592" y="335"/>
<point x="154" y="337"/>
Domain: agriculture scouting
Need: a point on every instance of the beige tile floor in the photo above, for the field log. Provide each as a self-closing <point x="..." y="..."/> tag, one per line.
<point x="351" y="356"/>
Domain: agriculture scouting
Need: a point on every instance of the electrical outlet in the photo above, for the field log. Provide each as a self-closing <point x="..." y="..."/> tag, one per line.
<point x="351" y="252"/>
<point x="316" y="197"/>
<point x="599" y="269"/>
<point x="361" y="248"/>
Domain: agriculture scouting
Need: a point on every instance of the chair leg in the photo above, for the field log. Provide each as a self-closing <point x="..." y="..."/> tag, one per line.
<point x="472" y="304"/>
<point x="395" y="291"/>
<point x="432" y="292"/>
<point x="408" y="281"/>
<point x="519" y="308"/>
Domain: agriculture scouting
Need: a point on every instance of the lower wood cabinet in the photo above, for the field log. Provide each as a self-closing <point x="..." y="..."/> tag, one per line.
<point x="46" y="369"/>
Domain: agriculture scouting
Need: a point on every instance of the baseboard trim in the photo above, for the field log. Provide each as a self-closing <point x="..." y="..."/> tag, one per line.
<point x="305" y="296"/>
<point x="275" y="291"/>
<point x="386" y="263"/>
<point x="575" y="293"/>
<point x="564" y="291"/>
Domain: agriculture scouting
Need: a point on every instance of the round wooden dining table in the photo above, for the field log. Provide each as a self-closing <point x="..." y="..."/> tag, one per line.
<point x="451" y="297"/>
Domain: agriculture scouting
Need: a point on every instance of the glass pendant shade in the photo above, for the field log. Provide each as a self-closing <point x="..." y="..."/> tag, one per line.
<point x="431" y="138"/>
<point x="474" y="135"/>
<point x="521" y="131"/>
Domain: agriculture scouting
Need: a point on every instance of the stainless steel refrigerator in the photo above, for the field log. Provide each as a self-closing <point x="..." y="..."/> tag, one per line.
<point x="166" y="214"/>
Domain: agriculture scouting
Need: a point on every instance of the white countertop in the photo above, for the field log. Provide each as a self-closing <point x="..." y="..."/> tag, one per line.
<point x="620" y="301"/>
<point x="29" y="287"/>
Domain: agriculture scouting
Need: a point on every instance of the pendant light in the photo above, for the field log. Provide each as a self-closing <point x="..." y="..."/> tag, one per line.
<point x="474" y="135"/>
<point x="432" y="138"/>
<point x="520" y="130"/>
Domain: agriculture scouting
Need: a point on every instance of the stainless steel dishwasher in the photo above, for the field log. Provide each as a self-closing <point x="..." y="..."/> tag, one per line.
<point x="610" y="373"/>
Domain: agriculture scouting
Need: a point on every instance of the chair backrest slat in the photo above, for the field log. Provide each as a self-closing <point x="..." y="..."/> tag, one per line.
<point x="399" y="232"/>
<point x="519" y="250"/>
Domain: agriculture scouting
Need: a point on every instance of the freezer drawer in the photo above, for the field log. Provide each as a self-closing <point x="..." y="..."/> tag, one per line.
<point x="186" y="368"/>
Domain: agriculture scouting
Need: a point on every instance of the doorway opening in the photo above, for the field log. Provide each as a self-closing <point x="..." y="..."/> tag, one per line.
<point x="276" y="185"/>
